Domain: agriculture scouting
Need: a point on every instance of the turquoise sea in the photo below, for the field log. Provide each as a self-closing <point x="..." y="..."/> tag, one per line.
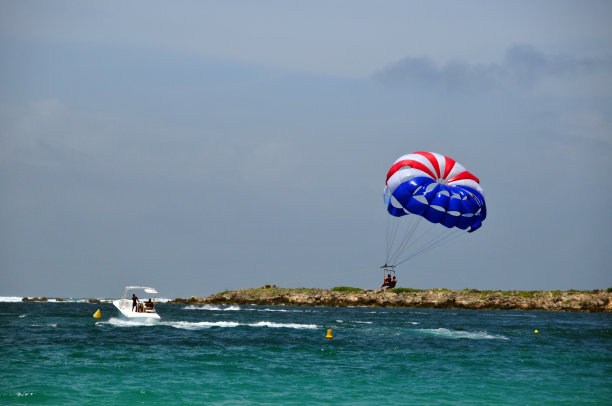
<point x="57" y="354"/>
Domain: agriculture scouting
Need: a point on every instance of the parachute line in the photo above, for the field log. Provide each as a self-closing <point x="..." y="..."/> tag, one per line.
<point x="392" y="227"/>
<point x="413" y="242"/>
<point x="405" y="241"/>
<point x="439" y="240"/>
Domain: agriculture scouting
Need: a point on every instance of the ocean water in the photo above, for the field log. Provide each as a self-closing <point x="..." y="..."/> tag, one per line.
<point x="57" y="354"/>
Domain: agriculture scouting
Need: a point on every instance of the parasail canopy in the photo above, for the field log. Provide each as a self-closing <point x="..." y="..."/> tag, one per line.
<point x="431" y="186"/>
<point x="437" y="188"/>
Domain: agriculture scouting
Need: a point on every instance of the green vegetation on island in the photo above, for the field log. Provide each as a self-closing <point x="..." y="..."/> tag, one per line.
<point x="346" y="289"/>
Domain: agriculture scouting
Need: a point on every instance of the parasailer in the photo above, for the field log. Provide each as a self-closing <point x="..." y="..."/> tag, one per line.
<point x="386" y="281"/>
<point x="434" y="187"/>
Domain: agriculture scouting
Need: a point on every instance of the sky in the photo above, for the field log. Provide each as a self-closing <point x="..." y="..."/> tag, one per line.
<point x="202" y="146"/>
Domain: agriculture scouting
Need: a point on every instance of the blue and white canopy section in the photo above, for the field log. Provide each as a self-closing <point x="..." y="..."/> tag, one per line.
<point x="437" y="188"/>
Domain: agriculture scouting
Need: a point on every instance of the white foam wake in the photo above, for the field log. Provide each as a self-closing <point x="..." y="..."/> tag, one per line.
<point x="188" y="325"/>
<point x="117" y="322"/>
<point x="285" y="325"/>
<point x="234" y="307"/>
<point x="211" y="307"/>
<point x="473" y="335"/>
<point x="199" y="325"/>
<point x="277" y="310"/>
<point x="10" y="299"/>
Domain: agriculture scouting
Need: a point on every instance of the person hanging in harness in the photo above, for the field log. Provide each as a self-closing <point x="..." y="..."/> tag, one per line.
<point x="386" y="281"/>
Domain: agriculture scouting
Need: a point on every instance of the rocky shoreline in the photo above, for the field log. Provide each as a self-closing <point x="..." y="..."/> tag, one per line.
<point x="57" y="299"/>
<point x="577" y="301"/>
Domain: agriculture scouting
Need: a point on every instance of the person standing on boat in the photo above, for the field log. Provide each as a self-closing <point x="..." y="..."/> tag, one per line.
<point x="134" y="302"/>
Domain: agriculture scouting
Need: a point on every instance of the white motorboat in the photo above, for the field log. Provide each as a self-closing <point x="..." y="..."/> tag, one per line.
<point x="144" y="310"/>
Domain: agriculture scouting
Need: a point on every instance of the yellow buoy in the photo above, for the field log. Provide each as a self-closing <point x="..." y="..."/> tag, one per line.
<point x="329" y="335"/>
<point x="536" y="331"/>
<point x="97" y="314"/>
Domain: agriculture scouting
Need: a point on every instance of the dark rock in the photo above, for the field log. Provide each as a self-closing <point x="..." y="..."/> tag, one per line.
<point x="35" y="299"/>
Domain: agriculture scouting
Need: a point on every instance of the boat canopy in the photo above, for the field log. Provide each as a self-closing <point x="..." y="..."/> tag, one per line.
<point x="147" y="289"/>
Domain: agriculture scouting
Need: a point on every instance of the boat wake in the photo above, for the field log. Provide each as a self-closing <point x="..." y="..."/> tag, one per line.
<point x="117" y="322"/>
<point x="199" y="325"/>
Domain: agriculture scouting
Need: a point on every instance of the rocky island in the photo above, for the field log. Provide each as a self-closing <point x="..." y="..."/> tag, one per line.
<point x="572" y="300"/>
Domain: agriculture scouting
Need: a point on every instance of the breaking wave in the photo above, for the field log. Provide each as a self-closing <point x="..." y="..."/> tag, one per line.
<point x="454" y="334"/>
<point x="211" y="307"/>
<point x="10" y="299"/>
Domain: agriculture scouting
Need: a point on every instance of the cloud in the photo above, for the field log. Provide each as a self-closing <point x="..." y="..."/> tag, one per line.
<point x="590" y="126"/>
<point x="23" y="130"/>
<point x="523" y="66"/>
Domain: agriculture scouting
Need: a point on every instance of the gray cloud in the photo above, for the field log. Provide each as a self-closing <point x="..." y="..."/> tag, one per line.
<point x="523" y="66"/>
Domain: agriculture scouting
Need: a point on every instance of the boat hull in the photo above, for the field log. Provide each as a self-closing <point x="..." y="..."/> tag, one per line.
<point x="125" y="312"/>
